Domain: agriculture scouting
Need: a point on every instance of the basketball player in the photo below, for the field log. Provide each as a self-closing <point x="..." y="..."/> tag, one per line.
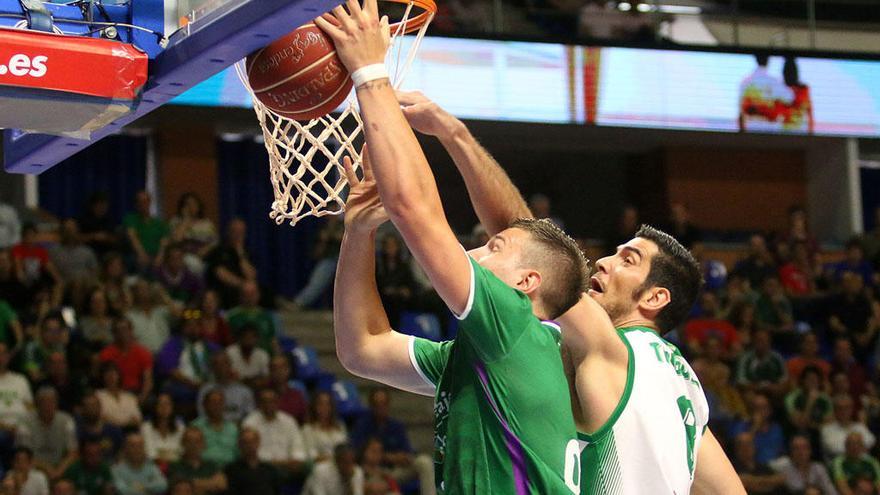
<point x="637" y="402"/>
<point x="503" y="420"/>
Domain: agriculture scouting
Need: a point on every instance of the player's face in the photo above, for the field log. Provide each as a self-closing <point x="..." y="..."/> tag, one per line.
<point x="619" y="276"/>
<point x="502" y="254"/>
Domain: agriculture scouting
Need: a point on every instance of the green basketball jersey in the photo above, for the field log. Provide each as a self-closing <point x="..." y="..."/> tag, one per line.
<point x="502" y="409"/>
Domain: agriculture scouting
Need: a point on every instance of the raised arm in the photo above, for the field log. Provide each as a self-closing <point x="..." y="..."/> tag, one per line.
<point x="496" y="200"/>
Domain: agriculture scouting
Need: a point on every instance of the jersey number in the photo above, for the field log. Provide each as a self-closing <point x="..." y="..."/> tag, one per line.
<point x="686" y="407"/>
<point x="572" y="473"/>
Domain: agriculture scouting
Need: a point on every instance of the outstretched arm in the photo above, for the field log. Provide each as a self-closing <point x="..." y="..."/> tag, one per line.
<point x="715" y="474"/>
<point x="495" y="198"/>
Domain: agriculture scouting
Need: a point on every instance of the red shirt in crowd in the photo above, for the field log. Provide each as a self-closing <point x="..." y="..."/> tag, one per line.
<point x="701" y="329"/>
<point x="795" y="280"/>
<point x="294" y="403"/>
<point x="132" y="364"/>
<point x="796" y="366"/>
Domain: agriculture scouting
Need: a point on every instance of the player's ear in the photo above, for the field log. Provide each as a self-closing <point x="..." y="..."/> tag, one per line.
<point x="529" y="281"/>
<point x="655" y="299"/>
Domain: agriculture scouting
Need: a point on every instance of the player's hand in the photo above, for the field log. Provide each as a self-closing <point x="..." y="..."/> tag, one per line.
<point x="364" y="211"/>
<point x="425" y="116"/>
<point x="361" y="38"/>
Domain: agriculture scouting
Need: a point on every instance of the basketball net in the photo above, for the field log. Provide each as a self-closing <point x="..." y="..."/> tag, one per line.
<point x="305" y="158"/>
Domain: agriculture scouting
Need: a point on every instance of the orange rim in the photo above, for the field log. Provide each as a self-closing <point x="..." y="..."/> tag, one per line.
<point x="428" y="7"/>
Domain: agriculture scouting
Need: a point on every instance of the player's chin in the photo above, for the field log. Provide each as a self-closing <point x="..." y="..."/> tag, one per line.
<point x="594" y="294"/>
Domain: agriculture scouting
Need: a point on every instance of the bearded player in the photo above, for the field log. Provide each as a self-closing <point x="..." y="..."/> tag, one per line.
<point x="503" y="420"/>
<point x="640" y="409"/>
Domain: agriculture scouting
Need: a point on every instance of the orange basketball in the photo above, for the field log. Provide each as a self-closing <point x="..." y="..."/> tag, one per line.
<point x="299" y="76"/>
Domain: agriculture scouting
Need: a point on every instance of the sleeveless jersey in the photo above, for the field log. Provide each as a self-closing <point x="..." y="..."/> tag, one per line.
<point x="649" y="444"/>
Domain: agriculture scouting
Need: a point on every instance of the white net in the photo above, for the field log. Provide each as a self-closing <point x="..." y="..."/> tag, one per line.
<point x="305" y="158"/>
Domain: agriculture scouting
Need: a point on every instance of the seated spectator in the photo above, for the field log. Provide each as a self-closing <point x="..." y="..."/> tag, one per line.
<point x="759" y="264"/>
<point x="70" y="385"/>
<point x="742" y="316"/>
<point x="29" y="480"/>
<point x="214" y="326"/>
<point x="249" y="474"/>
<point x="12" y="291"/>
<point x="32" y="262"/>
<point x="11" y="333"/>
<point x="238" y="399"/>
<point x="134" y="474"/>
<point x="808" y="407"/>
<point x="119" y="407"/>
<point x="798" y="276"/>
<point x="761" y="368"/>
<point x="96" y="323"/>
<point x="206" y="476"/>
<point x="834" y="433"/>
<point x="250" y="363"/>
<point x="134" y="361"/>
<point x="855" y="465"/>
<point x="114" y="280"/>
<point x="325" y="430"/>
<point x="282" y="444"/>
<point x="163" y="432"/>
<point x="290" y="399"/>
<point x="90" y="474"/>
<point x="372" y="463"/>
<point x="220" y="434"/>
<point x="800" y="471"/>
<point x="326" y="254"/>
<point x="150" y="315"/>
<point x="63" y="487"/>
<point x="843" y="361"/>
<point x="730" y="406"/>
<point x="854" y="262"/>
<point x="808" y="357"/>
<point x="853" y="315"/>
<point x="394" y="278"/>
<point x="755" y="476"/>
<point x="680" y="225"/>
<point x="50" y="434"/>
<point x="16" y="404"/>
<point x="398" y="452"/>
<point x="709" y="325"/>
<point x="97" y="228"/>
<point x="175" y="277"/>
<point x="144" y="231"/>
<point x="765" y="432"/>
<point x="773" y="309"/>
<point x="249" y="312"/>
<point x="228" y="266"/>
<point x="194" y="233"/>
<point x="92" y="427"/>
<point x="54" y="337"/>
<point x="339" y="475"/>
<point x="75" y="261"/>
<point x="185" y="360"/>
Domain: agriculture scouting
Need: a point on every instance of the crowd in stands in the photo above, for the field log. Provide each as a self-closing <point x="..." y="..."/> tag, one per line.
<point x="145" y="358"/>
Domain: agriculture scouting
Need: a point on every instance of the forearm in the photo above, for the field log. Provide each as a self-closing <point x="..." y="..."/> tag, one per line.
<point x="496" y="200"/>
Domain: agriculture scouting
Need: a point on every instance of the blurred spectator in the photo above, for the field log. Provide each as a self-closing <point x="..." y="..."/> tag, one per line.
<point x="180" y="283"/>
<point x="758" y="264"/>
<point x="729" y="405"/>
<point x="540" y="206"/>
<point x="249" y="474"/>
<point x="854" y="262"/>
<point x="10" y="226"/>
<point x="798" y="276"/>
<point x="851" y="314"/>
<point x="341" y="475"/>
<point x="96" y="323"/>
<point x="163" y="432"/>
<point x="371" y="462"/>
<point x="766" y="433"/>
<point x="808" y="356"/>
<point x="145" y="232"/>
<point x="92" y="427"/>
<point x="29" y="480"/>
<point x="325" y="430"/>
<point x="32" y="261"/>
<point x="12" y="291"/>
<point x="799" y="230"/>
<point x="229" y="266"/>
<point x="845" y="362"/>
<point x="835" y="433"/>
<point x="118" y="406"/>
<point x="394" y="278"/>
<point x="206" y="476"/>
<point x="11" y="333"/>
<point x="398" y="453"/>
<point x="90" y="474"/>
<point x="214" y="326"/>
<point x="134" y="474"/>
<point x="773" y="309"/>
<point x="181" y="487"/>
<point x="761" y="368"/>
<point x="114" y="280"/>
<point x="708" y="325"/>
<point x="800" y="471"/>
<point x="195" y="234"/>
<point x="50" y="434"/>
<point x="680" y="225"/>
<point x="756" y="476"/>
<point x="282" y="444"/>
<point x="63" y="487"/>
<point x="326" y="254"/>
<point x="150" y="315"/>
<point x="624" y="229"/>
<point x="250" y="363"/>
<point x="184" y="361"/>
<point x="70" y="385"/>
<point x="808" y="407"/>
<point x="75" y="261"/>
<point x="290" y="399"/>
<point x="97" y="228"/>
<point x="134" y="361"/>
<point x="53" y="338"/>
<point x="249" y="312"/>
<point x="855" y="465"/>
<point x="742" y="316"/>
<point x="220" y="434"/>
<point x="16" y="404"/>
<point x="238" y="399"/>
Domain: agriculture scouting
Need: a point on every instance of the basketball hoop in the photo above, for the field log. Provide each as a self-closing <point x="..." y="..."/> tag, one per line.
<point x="305" y="158"/>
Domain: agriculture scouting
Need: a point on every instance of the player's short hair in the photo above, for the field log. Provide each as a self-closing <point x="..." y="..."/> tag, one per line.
<point x="561" y="262"/>
<point x="674" y="268"/>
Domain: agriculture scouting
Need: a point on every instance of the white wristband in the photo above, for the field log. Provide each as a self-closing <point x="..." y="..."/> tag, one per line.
<point x="368" y="73"/>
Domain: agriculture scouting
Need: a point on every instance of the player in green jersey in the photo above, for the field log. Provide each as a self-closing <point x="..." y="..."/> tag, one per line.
<point x="503" y="421"/>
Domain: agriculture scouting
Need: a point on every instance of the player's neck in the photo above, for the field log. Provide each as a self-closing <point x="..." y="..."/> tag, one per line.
<point x="629" y="321"/>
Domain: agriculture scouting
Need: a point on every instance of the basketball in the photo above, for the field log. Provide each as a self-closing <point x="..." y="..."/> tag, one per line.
<point x="299" y="76"/>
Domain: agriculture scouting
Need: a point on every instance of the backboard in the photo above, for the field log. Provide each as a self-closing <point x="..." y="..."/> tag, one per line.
<point x="187" y="41"/>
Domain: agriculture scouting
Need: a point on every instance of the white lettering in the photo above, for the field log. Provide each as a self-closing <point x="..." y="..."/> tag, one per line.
<point x="21" y="65"/>
<point x="38" y="65"/>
